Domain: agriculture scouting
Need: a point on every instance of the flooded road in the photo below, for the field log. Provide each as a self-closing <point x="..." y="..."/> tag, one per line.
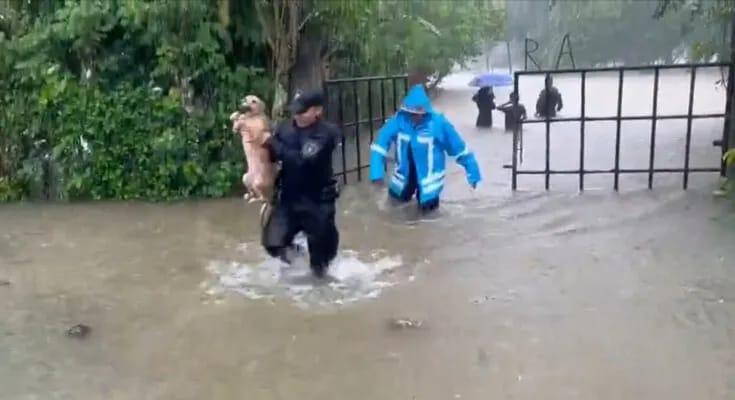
<point x="523" y="295"/>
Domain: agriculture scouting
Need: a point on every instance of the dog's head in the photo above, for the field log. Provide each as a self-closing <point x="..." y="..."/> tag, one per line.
<point x="252" y="105"/>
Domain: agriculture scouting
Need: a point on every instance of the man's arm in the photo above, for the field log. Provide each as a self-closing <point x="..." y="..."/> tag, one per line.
<point x="559" y="104"/>
<point x="312" y="151"/>
<point x="379" y="149"/>
<point x="456" y="147"/>
<point x="280" y="152"/>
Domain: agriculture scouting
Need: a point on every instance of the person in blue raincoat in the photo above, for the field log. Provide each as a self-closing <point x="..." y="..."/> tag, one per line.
<point x="422" y="137"/>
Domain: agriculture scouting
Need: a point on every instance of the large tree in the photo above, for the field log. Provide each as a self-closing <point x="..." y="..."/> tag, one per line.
<point x="312" y="40"/>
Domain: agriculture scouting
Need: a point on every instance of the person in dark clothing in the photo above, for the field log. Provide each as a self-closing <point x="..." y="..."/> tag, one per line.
<point x="307" y="191"/>
<point x="485" y="100"/>
<point x="514" y="113"/>
<point x="549" y="100"/>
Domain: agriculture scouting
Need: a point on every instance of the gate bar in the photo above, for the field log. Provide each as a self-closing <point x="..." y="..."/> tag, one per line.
<point x="370" y="110"/>
<point x="623" y="68"/>
<point x="366" y="78"/>
<point x="548" y="138"/>
<point x="514" y="161"/>
<point x="654" y="112"/>
<point x="730" y="93"/>
<point x="627" y="118"/>
<point x="612" y="171"/>
<point x="357" y="129"/>
<point x="692" y="83"/>
<point x="344" y="138"/>
<point x="581" y="133"/>
<point x="617" y="131"/>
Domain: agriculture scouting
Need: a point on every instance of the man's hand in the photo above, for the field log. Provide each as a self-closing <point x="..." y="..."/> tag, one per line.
<point x="473" y="184"/>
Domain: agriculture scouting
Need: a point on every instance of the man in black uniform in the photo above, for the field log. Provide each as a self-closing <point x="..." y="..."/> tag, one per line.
<point x="307" y="190"/>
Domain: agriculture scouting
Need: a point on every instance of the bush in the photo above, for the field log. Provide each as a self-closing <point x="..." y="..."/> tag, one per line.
<point x="103" y="102"/>
<point x="80" y="142"/>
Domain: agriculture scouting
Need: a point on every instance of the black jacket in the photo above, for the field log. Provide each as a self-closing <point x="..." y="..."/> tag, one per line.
<point x="306" y="160"/>
<point x="554" y="105"/>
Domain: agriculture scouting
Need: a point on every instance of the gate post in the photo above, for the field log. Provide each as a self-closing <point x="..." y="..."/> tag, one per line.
<point x="729" y="136"/>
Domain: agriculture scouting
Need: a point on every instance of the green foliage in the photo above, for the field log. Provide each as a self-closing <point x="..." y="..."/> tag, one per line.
<point x="432" y="36"/>
<point x="125" y="99"/>
<point x="729" y="157"/>
<point x="710" y="20"/>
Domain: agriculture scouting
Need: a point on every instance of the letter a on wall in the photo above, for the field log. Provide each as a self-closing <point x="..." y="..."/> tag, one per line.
<point x="562" y="51"/>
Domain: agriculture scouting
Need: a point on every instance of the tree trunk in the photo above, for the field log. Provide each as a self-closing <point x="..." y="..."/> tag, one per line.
<point x="310" y="68"/>
<point x="282" y="21"/>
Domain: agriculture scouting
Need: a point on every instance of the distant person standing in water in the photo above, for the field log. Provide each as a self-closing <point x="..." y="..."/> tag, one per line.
<point x="485" y="100"/>
<point x="549" y="100"/>
<point x="514" y="113"/>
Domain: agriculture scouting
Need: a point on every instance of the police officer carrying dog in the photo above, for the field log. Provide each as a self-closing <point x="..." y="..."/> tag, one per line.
<point x="307" y="191"/>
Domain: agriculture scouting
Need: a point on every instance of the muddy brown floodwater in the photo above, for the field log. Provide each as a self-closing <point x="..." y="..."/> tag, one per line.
<point x="526" y="295"/>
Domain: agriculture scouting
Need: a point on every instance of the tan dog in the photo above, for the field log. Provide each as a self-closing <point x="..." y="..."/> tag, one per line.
<point x="254" y="128"/>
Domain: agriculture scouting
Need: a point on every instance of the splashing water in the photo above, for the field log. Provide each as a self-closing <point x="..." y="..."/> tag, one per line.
<point x="349" y="279"/>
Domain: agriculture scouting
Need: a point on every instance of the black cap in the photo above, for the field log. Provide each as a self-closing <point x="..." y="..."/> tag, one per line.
<point x="305" y="100"/>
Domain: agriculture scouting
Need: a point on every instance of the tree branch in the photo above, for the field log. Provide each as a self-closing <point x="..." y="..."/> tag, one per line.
<point x="303" y="23"/>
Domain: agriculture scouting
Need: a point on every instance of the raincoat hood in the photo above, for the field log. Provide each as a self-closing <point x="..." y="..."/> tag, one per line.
<point x="417" y="101"/>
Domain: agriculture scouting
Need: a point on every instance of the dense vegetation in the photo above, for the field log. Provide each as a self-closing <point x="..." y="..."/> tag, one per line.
<point x="129" y="99"/>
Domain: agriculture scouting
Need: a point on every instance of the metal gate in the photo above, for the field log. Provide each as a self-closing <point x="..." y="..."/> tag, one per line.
<point x="617" y="169"/>
<point x="360" y="106"/>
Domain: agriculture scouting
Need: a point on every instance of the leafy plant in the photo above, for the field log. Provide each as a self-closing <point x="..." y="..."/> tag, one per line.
<point x="120" y="100"/>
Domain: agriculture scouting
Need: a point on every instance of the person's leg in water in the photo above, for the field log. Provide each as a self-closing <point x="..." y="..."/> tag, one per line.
<point x="413" y="177"/>
<point x="279" y="232"/>
<point x="412" y="186"/>
<point x="429" y="207"/>
<point x="318" y="220"/>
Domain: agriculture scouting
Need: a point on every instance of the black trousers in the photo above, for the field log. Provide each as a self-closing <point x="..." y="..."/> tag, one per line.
<point x="316" y="219"/>
<point x="412" y="187"/>
<point x="484" y="119"/>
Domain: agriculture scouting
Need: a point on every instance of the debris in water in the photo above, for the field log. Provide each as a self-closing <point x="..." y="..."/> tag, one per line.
<point x="79" y="331"/>
<point x="405" y="323"/>
<point x="4" y="282"/>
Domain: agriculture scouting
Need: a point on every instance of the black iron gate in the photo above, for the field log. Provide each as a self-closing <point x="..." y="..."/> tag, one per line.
<point x="360" y="106"/>
<point x="617" y="169"/>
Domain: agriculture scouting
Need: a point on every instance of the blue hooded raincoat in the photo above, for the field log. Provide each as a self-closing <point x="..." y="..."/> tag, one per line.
<point x="429" y="141"/>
